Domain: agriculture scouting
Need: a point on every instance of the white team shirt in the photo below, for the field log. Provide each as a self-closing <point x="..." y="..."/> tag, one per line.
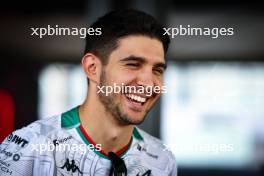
<point x="58" y="146"/>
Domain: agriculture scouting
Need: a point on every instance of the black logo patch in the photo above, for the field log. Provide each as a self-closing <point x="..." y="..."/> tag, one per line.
<point x="71" y="166"/>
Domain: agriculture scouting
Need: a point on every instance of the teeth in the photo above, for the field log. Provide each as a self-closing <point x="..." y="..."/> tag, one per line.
<point x="137" y="98"/>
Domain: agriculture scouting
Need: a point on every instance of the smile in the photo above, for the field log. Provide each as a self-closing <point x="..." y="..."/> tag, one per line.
<point x="136" y="102"/>
<point x="136" y="98"/>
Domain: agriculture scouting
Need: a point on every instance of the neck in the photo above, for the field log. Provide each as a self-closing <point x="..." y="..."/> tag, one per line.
<point x="102" y="127"/>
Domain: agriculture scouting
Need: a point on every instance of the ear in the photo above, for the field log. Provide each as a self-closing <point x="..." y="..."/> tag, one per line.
<point x="92" y="67"/>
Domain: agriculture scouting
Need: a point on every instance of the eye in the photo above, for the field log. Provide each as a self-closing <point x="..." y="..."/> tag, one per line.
<point x="159" y="71"/>
<point x="133" y="64"/>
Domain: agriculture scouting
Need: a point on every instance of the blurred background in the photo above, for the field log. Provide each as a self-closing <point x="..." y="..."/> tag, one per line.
<point x="212" y="116"/>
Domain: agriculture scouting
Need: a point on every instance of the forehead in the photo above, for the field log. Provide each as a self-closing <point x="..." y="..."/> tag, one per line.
<point x="140" y="46"/>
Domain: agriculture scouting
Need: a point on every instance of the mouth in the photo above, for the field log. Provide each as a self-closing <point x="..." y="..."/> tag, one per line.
<point x="136" y="102"/>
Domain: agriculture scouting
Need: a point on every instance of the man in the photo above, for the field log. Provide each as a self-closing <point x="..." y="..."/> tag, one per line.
<point x="99" y="137"/>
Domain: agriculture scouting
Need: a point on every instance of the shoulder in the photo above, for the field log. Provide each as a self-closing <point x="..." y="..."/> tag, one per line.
<point x="155" y="147"/>
<point x="45" y="130"/>
<point x="24" y="146"/>
<point x="156" y="144"/>
<point x="36" y="132"/>
<point x="45" y="126"/>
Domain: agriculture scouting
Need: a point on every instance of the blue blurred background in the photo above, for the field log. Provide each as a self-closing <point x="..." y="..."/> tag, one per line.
<point x="212" y="116"/>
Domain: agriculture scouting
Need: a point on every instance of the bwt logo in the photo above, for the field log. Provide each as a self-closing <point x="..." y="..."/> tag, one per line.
<point x="17" y="140"/>
<point x="6" y="170"/>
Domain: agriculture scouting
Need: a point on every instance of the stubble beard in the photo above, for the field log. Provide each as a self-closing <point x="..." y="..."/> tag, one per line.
<point x="112" y="106"/>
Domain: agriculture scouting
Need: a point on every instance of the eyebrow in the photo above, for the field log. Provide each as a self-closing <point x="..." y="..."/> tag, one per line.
<point x="143" y="60"/>
<point x="134" y="58"/>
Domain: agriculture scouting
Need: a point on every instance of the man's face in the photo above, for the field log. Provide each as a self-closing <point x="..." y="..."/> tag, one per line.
<point x="139" y="62"/>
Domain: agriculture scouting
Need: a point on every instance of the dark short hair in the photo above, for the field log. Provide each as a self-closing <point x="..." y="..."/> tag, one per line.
<point x="118" y="24"/>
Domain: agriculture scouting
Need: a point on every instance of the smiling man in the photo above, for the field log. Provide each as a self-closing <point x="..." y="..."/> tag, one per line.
<point x="99" y="137"/>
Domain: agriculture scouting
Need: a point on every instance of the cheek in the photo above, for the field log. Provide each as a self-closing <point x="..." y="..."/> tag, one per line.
<point x="158" y="89"/>
<point x="158" y="82"/>
<point x="123" y="76"/>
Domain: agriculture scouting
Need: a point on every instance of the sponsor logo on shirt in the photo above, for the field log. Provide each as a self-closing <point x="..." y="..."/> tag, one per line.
<point x="6" y="153"/>
<point x="71" y="166"/>
<point x="59" y="141"/>
<point x="4" y="168"/>
<point x="145" y="150"/>
<point x="16" y="156"/>
<point x="17" y="140"/>
<point x="4" y="163"/>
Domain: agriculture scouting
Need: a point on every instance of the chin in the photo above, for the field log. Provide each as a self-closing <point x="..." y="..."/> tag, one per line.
<point x="136" y="120"/>
<point x="133" y="117"/>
